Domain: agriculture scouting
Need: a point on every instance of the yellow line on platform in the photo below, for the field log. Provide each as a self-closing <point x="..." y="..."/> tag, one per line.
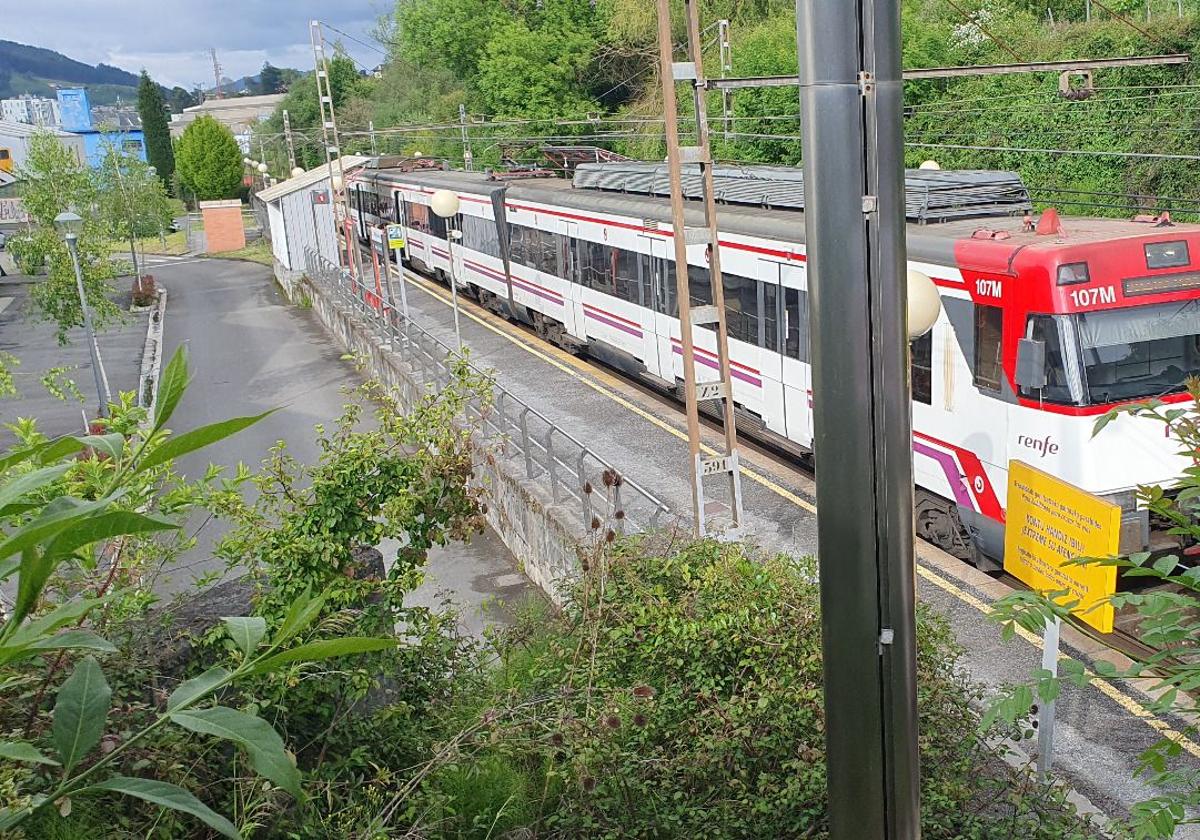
<point x="576" y="368"/>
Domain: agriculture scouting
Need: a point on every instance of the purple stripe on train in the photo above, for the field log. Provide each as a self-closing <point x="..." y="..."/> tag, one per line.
<point x="954" y="476"/>
<point x="712" y="363"/>
<point x="604" y="318"/>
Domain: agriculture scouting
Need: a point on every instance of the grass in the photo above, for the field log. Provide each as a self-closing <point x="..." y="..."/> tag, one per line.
<point x="176" y="244"/>
<point x="258" y="251"/>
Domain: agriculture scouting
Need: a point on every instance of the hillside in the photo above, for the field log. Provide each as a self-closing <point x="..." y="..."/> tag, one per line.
<point x="26" y="69"/>
<point x="587" y="72"/>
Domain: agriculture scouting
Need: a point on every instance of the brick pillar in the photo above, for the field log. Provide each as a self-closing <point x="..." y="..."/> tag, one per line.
<point x="223" y="228"/>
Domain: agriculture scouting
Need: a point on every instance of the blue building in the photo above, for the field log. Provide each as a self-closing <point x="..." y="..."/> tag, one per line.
<point x="76" y="115"/>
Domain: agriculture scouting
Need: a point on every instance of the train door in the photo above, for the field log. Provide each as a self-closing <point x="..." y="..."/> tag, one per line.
<point x="648" y="267"/>
<point x="397" y="201"/>
<point x="666" y="316"/>
<point x="796" y="358"/>
<point x="572" y="291"/>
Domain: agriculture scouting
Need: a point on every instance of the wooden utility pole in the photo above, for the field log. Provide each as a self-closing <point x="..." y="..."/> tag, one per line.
<point x="725" y="464"/>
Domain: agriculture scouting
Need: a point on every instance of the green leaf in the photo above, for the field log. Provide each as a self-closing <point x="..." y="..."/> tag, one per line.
<point x="22" y="751"/>
<point x="57" y="617"/>
<point x="171" y="386"/>
<point x="1166" y="565"/>
<point x="45" y="453"/>
<point x="246" y="631"/>
<point x="261" y="742"/>
<point x="323" y="649"/>
<point x="195" y="688"/>
<point x="67" y="640"/>
<point x="105" y="526"/>
<point x="80" y="712"/>
<point x="180" y="445"/>
<point x="54" y="518"/>
<point x="169" y="796"/>
<point x="112" y="444"/>
<point x="302" y="612"/>
<point x="30" y="481"/>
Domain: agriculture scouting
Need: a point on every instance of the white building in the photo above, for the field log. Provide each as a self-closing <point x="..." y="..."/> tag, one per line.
<point x="15" y="137"/>
<point x="300" y="216"/>
<point x="31" y="110"/>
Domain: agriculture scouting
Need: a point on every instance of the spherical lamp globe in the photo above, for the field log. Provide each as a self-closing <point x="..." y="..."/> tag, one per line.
<point x="924" y="304"/>
<point x="444" y="203"/>
<point x="930" y="164"/>
<point x="262" y="167"/>
<point x="298" y="171"/>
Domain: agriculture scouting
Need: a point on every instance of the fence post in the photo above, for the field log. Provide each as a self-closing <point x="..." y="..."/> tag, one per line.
<point x="552" y="465"/>
<point x="525" y="443"/>
<point x="583" y="491"/>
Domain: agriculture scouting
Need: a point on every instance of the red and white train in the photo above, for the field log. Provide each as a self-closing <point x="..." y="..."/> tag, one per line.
<point x="1109" y="310"/>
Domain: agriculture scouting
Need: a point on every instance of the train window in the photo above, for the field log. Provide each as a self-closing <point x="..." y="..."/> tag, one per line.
<point x="1058" y="385"/>
<point x="533" y="248"/>
<point x="741" y="307"/>
<point x="625" y="275"/>
<point x="989" y="368"/>
<point x="480" y="235"/>
<point x="921" y="362"/>
<point x="595" y="265"/>
<point x="437" y="225"/>
<point x="699" y="286"/>
<point x="769" y="323"/>
<point x="795" y="342"/>
<point x="417" y="215"/>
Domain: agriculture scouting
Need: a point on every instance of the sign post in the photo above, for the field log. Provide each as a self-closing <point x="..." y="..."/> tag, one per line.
<point x="1048" y="524"/>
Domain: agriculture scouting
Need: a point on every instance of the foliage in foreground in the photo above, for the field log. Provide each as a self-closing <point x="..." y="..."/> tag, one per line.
<point x="679" y="695"/>
<point x="68" y="508"/>
<point x="1167" y="612"/>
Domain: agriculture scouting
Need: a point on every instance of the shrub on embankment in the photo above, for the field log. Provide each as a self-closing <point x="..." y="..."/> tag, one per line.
<point x="679" y="694"/>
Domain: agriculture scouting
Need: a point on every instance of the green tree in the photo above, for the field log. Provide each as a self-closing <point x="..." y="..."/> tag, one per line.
<point x="209" y="160"/>
<point x="132" y="202"/>
<point x="152" y="110"/>
<point x="54" y="181"/>
<point x="270" y="79"/>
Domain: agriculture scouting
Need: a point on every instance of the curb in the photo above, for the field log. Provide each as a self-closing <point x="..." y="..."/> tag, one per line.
<point x="152" y="356"/>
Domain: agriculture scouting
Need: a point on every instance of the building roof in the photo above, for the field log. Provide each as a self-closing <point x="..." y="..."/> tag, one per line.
<point x="310" y="178"/>
<point x="208" y="106"/>
<point x="8" y="128"/>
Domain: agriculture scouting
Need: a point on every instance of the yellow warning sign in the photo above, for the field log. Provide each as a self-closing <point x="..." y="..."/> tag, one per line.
<point x="395" y="237"/>
<point x="1050" y="522"/>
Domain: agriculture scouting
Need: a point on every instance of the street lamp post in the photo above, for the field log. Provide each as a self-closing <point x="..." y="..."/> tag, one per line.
<point x="68" y="224"/>
<point x="445" y="204"/>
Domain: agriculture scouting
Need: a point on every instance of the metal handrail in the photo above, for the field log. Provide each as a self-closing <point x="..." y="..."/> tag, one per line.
<point x="546" y="460"/>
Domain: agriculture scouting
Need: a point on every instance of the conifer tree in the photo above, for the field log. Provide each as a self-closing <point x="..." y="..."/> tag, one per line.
<point x="157" y="132"/>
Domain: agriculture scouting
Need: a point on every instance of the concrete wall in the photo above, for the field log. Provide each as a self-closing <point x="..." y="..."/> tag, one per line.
<point x="544" y="538"/>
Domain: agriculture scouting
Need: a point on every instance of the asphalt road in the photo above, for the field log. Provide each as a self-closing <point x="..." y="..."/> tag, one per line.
<point x="250" y="351"/>
<point x="34" y="344"/>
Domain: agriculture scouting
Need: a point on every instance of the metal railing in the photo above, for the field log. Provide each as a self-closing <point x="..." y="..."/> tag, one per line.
<point x="572" y="474"/>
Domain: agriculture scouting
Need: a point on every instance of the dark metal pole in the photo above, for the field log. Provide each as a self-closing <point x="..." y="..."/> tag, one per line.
<point x="850" y="104"/>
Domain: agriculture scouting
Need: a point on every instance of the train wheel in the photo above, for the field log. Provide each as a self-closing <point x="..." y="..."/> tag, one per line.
<point x="938" y="522"/>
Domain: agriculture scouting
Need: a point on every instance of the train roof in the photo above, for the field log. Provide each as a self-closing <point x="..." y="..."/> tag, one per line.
<point x="934" y="242"/>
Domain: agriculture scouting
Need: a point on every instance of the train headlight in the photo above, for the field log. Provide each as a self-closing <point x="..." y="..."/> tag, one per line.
<point x="924" y="304"/>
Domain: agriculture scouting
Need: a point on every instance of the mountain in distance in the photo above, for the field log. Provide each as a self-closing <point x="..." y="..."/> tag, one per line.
<point x="35" y="70"/>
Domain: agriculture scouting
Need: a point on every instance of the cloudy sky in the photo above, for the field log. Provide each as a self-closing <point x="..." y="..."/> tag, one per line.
<point x="171" y="38"/>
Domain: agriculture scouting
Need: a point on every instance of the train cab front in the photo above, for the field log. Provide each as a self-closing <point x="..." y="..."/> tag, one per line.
<point x="1100" y="313"/>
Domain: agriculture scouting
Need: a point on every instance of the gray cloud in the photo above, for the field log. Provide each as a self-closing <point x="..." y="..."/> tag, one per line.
<point x="171" y="38"/>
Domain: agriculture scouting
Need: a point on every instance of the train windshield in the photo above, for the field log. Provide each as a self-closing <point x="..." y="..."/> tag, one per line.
<point x="1122" y="354"/>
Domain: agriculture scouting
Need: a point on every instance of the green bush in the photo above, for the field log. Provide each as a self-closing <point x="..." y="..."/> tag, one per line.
<point x="679" y="694"/>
